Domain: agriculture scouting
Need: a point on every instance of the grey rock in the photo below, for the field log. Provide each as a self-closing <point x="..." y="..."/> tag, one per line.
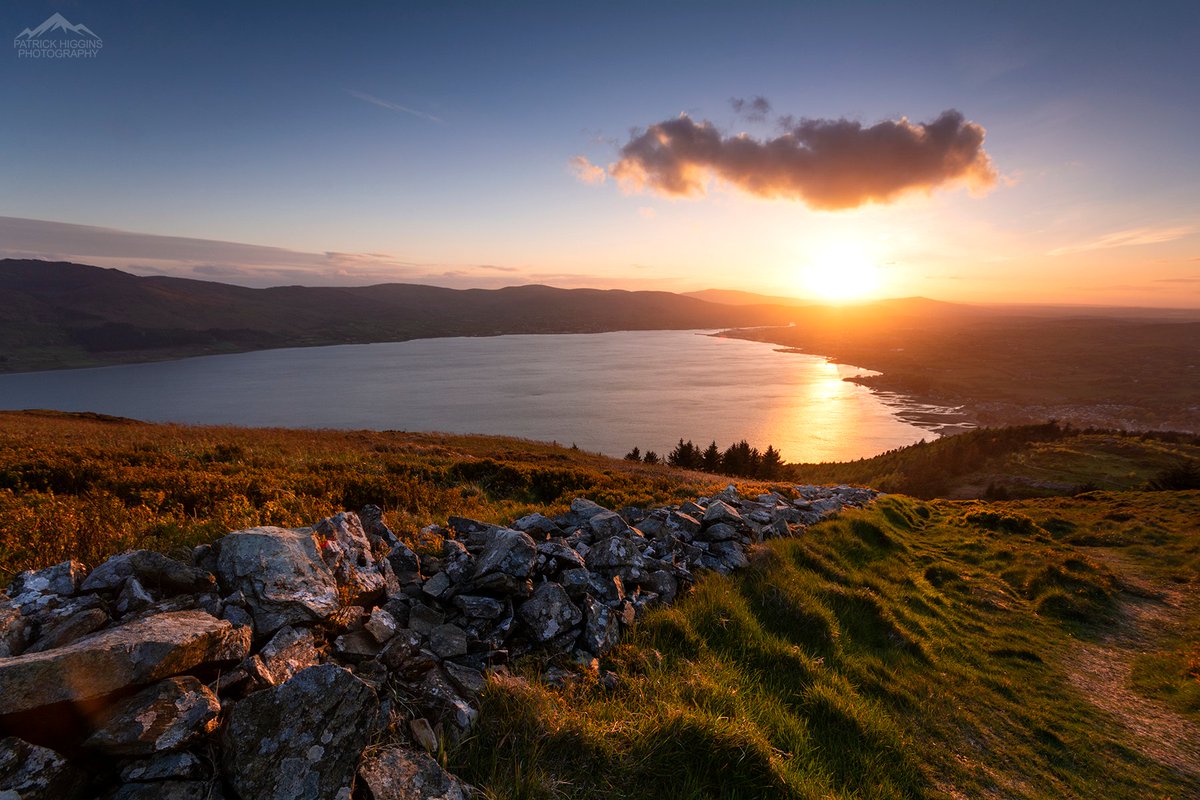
<point x="300" y="740"/>
<point x="720" y="511"/>
<point x="603" y="629"/>
<point x="574" y="581"/>
<point x="356" y="646"/>
<point x="557" y="553"/>
<point x="61" y="579"/>
<point x="15" y="630"/>
<point x="422" y="733"/>
<point x="280" y="573"/>
<point x="663" y="584"/>
<point x="371" y="517"/>
<point x="538" y="526"/>
<point x="423" y="619"/>
<point x="133" y="597"/>
<point x="405" y="562"/>
<point x="139" y="652"/>
<point x="717" y="532"/>
<point x="608" y="523"/>
<point x="164" y="766"/>
<point x="585" y="509"/>
<point x="65" y="625"/>
<point x="289" y="651"/>
<point x="166" y="716"/>
<point x="153" y="570"/>
<point x="381" y="625"/>
<point x="478" y="606"/>
<point x="395" y="773"/>
<point x="549" y="612"/>
<point x="406" y="655"/>
<point x="509" y="552"/>
<point x="693" y="510"/>
<point x="471" y="681"/>
<point x="501" y="584"/>
<point x="30" y="772"/>
<point x="437" y="586"/>
<point x="448" y="641"/>
<point x="237" y="616"/>
<point x="443" y="700"/>
<point x="614" y="552"/>
<point x="346" y="550"/>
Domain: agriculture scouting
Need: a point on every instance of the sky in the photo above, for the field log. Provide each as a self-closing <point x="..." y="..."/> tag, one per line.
<point x="1004" y="152"/>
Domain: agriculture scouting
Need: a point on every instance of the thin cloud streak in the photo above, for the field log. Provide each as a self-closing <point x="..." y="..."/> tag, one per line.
<point x="1127" y="238"/>
<point x="376" y="101"/>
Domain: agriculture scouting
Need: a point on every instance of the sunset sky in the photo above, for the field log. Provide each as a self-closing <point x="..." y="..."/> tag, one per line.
<point x="489" y="144"/>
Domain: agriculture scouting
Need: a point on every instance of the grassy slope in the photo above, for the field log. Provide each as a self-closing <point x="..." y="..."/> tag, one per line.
<point x="909" y="650"/>
<point x="86" y="486"/>
<point x="1030" y="461"/>
<point x="915" y="649"/>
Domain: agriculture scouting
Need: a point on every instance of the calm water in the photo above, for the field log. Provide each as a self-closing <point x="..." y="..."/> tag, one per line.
<point x="604" y="392"/>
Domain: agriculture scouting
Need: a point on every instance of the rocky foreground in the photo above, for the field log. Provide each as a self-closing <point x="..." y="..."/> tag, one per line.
<point x="331" y="661"/>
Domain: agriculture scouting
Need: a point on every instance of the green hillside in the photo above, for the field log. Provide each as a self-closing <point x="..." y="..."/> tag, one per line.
<point x="1047" y="647"/>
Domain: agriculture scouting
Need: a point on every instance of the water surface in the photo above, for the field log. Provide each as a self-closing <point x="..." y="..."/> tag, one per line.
<point x="604" y="392"/>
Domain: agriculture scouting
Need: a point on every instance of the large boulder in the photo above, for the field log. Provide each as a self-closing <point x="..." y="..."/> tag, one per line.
<point x="60" y="579"/>
<point x="614" y="553"/>
<point x="396" y="773"/>
<point x="137" y="653"/>
<point x="29" y="772"/>
<point x="281" y="575"/>
<point x="164" y="717"/>
<point x="300" y="740"/>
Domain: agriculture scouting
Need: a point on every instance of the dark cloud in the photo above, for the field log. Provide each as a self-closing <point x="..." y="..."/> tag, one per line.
<point x="828" y="164"/>
<point x="755" y="110"/>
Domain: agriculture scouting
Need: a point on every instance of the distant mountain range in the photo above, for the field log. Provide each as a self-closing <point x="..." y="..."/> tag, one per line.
<point x="59" y="314"/>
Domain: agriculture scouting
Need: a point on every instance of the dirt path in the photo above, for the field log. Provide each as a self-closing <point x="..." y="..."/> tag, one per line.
<point x="1101" y="670"/>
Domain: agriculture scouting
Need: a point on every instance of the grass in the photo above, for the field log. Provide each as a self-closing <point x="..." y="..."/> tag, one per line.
<point x="908" y="650"/>
<point x="912" y="649"/>
<point x="87" y="486"/>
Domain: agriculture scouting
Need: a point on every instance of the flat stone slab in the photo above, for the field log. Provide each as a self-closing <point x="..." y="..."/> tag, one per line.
<point x="140" y="652"/>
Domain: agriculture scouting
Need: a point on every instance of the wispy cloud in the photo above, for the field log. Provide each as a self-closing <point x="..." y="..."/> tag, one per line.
<point x="829" y="164"/>
<point x="234" y="262"/>
<point x="1178" y="280"/>
<point x="586" y="171"/>
<point x="388" y="104"/>
<point x="1127" y="238"/>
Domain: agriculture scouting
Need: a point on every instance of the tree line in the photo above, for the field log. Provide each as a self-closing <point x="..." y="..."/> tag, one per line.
<point x="738" y="459"/>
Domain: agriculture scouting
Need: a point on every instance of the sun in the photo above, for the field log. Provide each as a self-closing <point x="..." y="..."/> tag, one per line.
<point x="842" y="272"/>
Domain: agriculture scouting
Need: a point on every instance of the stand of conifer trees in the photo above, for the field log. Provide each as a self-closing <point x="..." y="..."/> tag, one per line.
<point x="738" y="459"/>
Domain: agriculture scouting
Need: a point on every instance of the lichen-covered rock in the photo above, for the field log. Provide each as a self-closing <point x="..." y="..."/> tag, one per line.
<point x="166" y="716"/>
<point x="608" y="523"/>
<point x="61" y="579"/>
<point x="603" y="629"/>
<point x="163" y="767"/>
<point x="549" y="612"/>
<point x="448" y="641"/>
<point x="614" y="552"/>
<point x="395" y="773"/>
<point x="346" y="550"/>
<point x="510" y="552"/>
<point x="478" y="606"/>
<point x="137" y="653"/>
<point x="289" y="651"/>
<point x="300" y="740"/>
<point x="30" y="772"/>
<point x="154" y="571"/>
<point x="281" y="575"/>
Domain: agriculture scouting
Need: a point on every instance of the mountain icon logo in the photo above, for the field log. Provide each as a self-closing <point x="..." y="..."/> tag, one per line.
<point x="56" y="23"/>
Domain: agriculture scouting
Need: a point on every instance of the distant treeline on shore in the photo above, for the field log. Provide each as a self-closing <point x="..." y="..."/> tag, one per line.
<point x="738" y="459"/>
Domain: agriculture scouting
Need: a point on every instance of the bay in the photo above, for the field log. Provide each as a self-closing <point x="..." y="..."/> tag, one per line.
<point x="603" y="392"/>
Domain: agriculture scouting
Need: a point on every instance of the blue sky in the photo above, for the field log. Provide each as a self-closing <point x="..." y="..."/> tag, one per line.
<point x="282" y="127"/>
